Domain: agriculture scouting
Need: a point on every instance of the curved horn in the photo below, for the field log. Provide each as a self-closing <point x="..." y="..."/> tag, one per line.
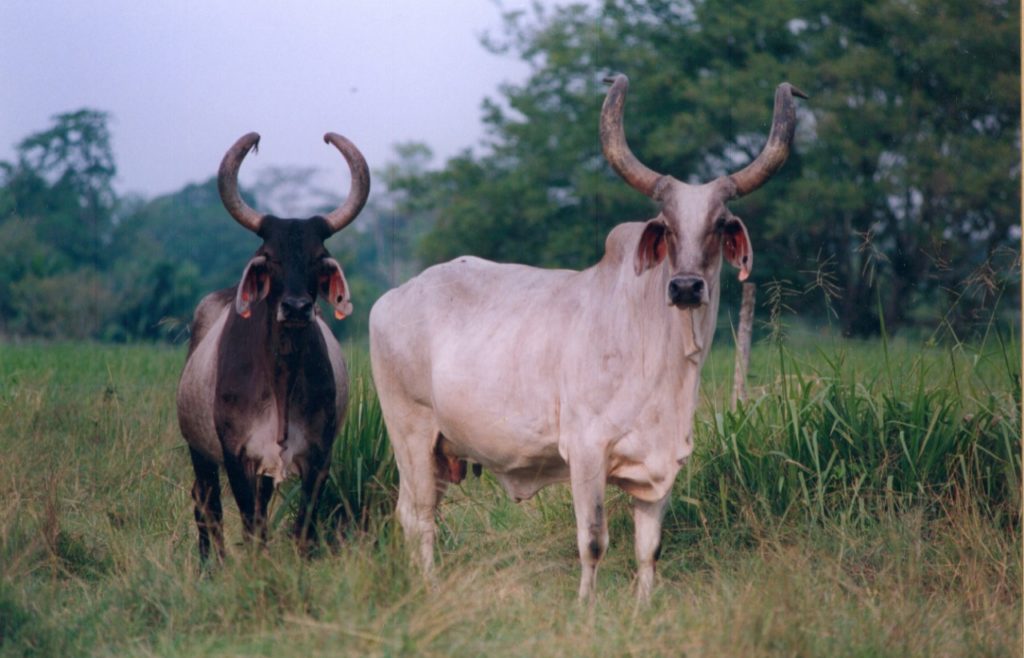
<point x="358" y="190"/>
<point x="613" y="140"/>
<point x="775" y="152"/>
<point x="227" y="182"/>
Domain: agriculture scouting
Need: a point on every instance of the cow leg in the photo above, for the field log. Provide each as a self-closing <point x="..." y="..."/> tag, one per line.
<point x="413" y="436"/>
<point x="252" y="493"/>
<point x="208" y="511"/>
<point x="313" y="476"/>
<point x="647" y="526"/>
<point x="587" y="476"/>
<point x="417" y="504"/>
<point x="264" y="491"/>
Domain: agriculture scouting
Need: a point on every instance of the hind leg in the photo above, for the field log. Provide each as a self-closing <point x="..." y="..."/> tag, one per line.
<point x="208" y="510"/>
<point x="413" y="437"/>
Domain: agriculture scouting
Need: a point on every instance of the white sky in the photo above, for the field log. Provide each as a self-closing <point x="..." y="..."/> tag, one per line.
<point x="185" y="78"/>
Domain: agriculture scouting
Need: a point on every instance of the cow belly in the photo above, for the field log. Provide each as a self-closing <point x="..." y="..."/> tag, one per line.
<point x="501" y="438"/>
<point x="524" y="483"/>
<point x="279" y="450"/>
<point x="519" y="448"/>
<point x="195" y="398"/>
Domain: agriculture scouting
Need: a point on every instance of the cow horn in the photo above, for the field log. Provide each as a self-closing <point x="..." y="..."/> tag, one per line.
<point x="358" y="190"/>
<point x="775" y="152"/>
<point x="227" y="182"/>
<point x="613" y="140"/>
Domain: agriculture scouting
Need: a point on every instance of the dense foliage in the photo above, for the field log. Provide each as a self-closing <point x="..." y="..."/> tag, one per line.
<point x="81" y="262"/>
<point x="899" y="207"/>
<point x="902" y="196"/>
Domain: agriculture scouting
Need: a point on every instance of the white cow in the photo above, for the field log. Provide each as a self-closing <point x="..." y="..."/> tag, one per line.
<point x="543" y="376"/>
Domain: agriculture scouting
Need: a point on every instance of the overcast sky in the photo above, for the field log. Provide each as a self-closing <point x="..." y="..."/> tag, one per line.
<point x="183" y="79"/>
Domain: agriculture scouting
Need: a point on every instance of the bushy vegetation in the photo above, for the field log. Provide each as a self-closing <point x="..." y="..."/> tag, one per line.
<point x="900" y="198"/>
<point x="885" y="193"/>
<point x="835" y="437"/>
<point x="865" y="500"/>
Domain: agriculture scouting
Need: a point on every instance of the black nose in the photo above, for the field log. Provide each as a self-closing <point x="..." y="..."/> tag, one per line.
<point x="686" y="291"/>
<point x="297" y="309"/>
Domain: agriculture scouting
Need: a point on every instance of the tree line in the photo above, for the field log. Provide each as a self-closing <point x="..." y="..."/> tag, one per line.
<point x="899" y="208"/>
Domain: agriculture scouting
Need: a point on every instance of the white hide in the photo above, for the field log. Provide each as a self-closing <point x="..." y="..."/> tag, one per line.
<point x="545" y="376"/>
<point x="518" y="366"/>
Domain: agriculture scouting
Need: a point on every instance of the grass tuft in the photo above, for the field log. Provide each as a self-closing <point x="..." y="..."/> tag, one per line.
<point x="849" y="508"/>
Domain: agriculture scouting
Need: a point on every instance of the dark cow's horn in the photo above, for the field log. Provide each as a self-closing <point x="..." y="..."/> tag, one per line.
<point x="227" y="182"/>
<point x="775" y="152"/>
<point x="613" y="140"/>
<point x="358" y="190"/>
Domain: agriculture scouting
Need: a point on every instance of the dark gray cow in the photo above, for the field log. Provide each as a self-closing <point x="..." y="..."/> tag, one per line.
<point x="265" y="387"/>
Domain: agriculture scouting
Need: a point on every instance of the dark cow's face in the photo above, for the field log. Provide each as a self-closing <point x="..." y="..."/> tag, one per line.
<point x="289" y="270"/>
<point x="694" y="230"/>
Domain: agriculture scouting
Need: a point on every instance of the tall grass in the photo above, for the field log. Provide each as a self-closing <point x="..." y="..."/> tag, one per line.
<point x="865" y="501"/>
<point x="834" y="437"/>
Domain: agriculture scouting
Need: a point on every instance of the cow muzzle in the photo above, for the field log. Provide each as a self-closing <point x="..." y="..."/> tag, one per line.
<point x="295" y="312"/>
<point x="687" y="291"/>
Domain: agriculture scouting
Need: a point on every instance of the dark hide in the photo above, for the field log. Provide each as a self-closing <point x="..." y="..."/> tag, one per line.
<point x="273" y="377"/>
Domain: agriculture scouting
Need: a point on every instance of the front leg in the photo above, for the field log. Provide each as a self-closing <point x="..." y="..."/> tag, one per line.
<point x="252" y="493"/>
<point x="313" y="476"/>
<point x="647" y="525"/>
<point x="587" y="476"/>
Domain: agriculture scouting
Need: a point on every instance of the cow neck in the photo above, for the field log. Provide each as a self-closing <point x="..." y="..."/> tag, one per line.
<point x="290" y="348"/>
<point x="681" y="337"/>
<point x="676" y="343"/>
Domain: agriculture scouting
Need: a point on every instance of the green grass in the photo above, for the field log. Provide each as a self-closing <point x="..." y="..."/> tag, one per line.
<point x="865" y="501"/>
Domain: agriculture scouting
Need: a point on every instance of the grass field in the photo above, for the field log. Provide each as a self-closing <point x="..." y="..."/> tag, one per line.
<point x="866" y="501"/>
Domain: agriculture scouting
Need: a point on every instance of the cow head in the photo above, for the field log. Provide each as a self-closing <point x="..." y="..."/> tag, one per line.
<point x="292" y="265"/>
<point x="694" y="228"/>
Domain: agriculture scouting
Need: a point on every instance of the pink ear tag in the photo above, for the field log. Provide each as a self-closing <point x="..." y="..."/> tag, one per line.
<point x="338" y="314"/>
<point x="246" y="314"/>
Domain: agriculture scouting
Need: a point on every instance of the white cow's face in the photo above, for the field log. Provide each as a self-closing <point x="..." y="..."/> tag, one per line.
<point x="692" y="231"/>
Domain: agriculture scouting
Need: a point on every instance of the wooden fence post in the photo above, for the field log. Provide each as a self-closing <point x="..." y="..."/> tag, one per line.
<point x="739" y="378"/>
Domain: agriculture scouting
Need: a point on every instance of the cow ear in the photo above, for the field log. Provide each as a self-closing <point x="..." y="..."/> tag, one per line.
<point x="652" y="247"/>
<point x="736" y="244"/>
<point x="334" y="288"/>
<point x="254" y="287"/>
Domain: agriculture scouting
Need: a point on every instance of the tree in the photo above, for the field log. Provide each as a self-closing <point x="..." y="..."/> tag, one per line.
<point x="189" y="226"/>
<point x="56" y="217"/>
<point x="905" y="175"/>
<point x="64" y="178"/>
